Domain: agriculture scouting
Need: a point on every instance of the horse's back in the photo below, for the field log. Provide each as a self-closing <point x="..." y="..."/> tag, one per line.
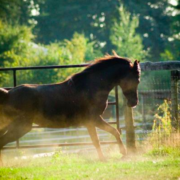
<point x="57" y="99"/>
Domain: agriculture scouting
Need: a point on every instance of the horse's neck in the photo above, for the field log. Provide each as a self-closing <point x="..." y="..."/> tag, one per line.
<point x="100" y="81"/>
<point x="103" y="82"/>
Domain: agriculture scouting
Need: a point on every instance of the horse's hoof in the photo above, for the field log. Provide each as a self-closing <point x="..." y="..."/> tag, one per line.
<point x="125" y="157"/>
<point x="123" y="152"/>
<point x="103" y="159"/>
<point x="1" y="164"/>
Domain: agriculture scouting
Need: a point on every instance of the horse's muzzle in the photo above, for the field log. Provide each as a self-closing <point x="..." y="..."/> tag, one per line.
<point x="132" y="104"/>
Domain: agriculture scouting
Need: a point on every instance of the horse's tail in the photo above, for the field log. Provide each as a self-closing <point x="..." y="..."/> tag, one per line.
<point x="3" y="95"/>
<point x="3" y="98"/>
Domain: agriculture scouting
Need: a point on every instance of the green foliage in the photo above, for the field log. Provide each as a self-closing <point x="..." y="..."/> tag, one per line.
<point x="175" y="25"/>
<point x="164" y="139"/>
<point x="165" y="151"/>
<point x="19" y="11"/>
<point x="18" y="50"/>
<point x="56" y="20"/>
<point x="123" y="35"/>
<point x="167" y="55"/>
<point x="162" y="122"/>
<point x="14" y="41"/>
<point x="63" y="18"/>
<point x="154" y="24"/>
<point x="171" y="51"/>
<point x="95" y="20"/>
<point x="81" y="49"/>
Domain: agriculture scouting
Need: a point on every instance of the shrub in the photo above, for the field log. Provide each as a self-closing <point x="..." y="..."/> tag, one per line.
<point x="18" y="50"/>
<point x="164" y="139"/>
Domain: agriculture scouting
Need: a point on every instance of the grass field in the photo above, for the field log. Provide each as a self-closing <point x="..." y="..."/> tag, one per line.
<point x="83" y="167"/>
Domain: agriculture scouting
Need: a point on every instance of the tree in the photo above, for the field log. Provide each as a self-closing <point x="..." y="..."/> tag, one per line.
<point x="14" y="41"/>
<point x="124" y="37"/>
<point x="19" y="11"/>
<point x="154" y="24"/>
<point x="60" y="19"/>
<point x="56" y="20"/>
<point x="19" y="50"/>
<point x="172" y="51"/>
<point x="176" y="18"/>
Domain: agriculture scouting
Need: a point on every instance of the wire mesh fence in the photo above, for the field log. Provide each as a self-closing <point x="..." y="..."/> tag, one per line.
<point x="159" y="124"/>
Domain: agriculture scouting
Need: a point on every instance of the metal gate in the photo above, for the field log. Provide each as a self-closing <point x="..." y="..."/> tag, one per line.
<point x="115" y="103"/>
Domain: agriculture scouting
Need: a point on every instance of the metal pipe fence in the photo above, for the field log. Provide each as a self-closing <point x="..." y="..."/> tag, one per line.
<point x="114" y="103"/>
<point x="159" y="82"/>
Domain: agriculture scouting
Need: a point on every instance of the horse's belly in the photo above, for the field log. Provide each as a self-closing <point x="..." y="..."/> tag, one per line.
<point x="56" y="121"/>
<point x="4" y="122"/>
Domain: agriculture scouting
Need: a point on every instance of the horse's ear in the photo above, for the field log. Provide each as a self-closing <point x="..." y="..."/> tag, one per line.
<point x="136" y="61"/>
<point x="114" y="53"/>
<point x="136" y="65"/>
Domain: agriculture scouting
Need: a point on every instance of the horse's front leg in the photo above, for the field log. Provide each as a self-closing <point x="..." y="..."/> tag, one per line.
<point x="93" y="134"/>
<point x="102" y="124"/>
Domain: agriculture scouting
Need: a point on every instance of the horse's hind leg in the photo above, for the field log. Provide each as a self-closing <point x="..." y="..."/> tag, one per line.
<point x="3" y="131"/>
<point x="93" y="134"/>
<point x="20" y="126"/>
<point x="15" y="130"/>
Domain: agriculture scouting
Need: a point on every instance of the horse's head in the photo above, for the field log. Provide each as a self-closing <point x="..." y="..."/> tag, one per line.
<point x="129" y="84"/>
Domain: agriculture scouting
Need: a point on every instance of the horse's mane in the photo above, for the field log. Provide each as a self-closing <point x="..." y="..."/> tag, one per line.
<point x="100" y="64"/>
<point x="104" y="62"/>
<point x="108" y="61"/>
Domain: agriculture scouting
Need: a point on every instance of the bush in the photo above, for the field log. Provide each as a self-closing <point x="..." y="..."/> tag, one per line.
<point x="124" y="37"/>
<point x="18" y="50"/>
<point x="164" y="139"/>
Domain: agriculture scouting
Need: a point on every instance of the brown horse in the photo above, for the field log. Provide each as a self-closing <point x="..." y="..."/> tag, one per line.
<point x="78" y="101"/>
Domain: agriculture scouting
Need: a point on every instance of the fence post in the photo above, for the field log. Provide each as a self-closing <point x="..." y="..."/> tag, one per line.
<point x="130" y="130"/>
<point x="117" y="109"/>
<point x="15" y="84"/>
<point x="174" y="96"/>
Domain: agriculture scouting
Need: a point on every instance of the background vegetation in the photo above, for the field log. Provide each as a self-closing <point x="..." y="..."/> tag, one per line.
<point x="53" y="32"/>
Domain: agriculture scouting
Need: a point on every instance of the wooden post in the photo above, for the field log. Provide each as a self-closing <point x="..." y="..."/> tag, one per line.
<point x="15" y="84"/>
<point x="130" y="131"/>
<point x="117" y="109"/>
<point x="174" y="97"/>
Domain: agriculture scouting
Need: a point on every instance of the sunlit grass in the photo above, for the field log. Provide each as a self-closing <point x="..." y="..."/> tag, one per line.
<point x="87" y="166"/>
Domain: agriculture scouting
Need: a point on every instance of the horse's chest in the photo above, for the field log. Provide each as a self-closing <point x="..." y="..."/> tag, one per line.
<point x="99" y="104"/>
